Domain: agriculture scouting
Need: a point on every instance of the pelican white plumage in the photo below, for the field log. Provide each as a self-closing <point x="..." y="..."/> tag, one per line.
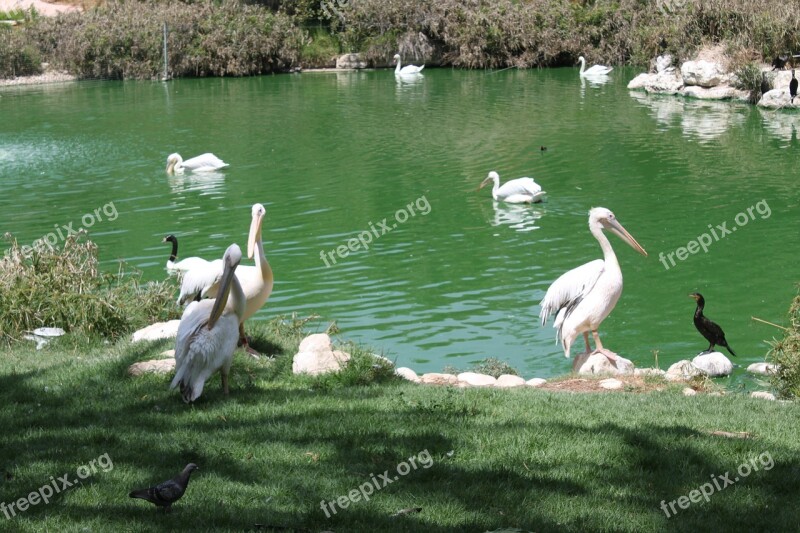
<point x="187" y="264"/>
<point x="202" y="163"/>
<point x="208" y="332"/>
<point x="518" y="191"/>
<point x="583" y="297"/>
<point x="407" y="70"/>
<point x="256" y="281"/>
<point x="594" y="70"/>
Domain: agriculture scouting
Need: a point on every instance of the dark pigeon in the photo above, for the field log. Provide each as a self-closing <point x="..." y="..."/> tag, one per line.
<point x="168" y="492"/>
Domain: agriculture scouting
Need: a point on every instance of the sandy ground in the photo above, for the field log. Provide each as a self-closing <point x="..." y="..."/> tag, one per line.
<point x="42" y="7"/>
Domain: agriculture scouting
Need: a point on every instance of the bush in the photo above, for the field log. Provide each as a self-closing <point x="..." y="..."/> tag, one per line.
<point x="17" y="56"/>
<point x="786" y="354"/>
<point x="65" y="288"/>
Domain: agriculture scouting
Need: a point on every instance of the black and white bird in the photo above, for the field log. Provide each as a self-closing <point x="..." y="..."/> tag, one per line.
<point x="166" y="493"/>
<point x="174" y="266"/>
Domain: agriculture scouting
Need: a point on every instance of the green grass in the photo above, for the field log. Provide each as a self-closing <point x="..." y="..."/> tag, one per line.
<point x="279" y="445"/>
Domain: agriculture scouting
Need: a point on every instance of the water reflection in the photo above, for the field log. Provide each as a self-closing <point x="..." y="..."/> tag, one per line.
<point x="408" y="80"/>
<point x="703" y="120"/>
<point x="204" y="182"/>
<point x="519" y="217"/>
<point x="782" y="125"/>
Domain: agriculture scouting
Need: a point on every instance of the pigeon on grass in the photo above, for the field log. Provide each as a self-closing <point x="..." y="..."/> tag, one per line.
<point x="166" y="493"/>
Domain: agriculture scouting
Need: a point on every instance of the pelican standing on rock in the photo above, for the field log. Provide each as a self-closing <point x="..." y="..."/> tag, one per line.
<point x="208" y="332"/>
<point x="594" y="70"/>
<point x="186" y="264"/>
<point x="202" y="163"/>
<point x="583" y="297"/>
<point x="256" y="281"/>
<point x="518" y="191"/>
<point x="406" y="70"/>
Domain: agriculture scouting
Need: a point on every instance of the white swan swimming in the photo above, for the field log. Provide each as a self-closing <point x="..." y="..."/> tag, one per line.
<point x="406" y="70"/>
<point x="594" y="70"/>
<point x="518" y="191"/>
<point x="202" y="163"/>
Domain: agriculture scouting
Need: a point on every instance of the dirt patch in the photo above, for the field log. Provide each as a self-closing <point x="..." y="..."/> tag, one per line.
<point x="43" y="8"/>
<point x="592" y="384"/>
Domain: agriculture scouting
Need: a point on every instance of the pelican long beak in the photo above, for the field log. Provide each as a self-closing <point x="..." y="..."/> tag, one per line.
<point x="171" y="166"/>
<point x="222" y="293"/>
<point x="255" y="234"/>
<point x="623" y="234"/>
<point x="484" y="183"/>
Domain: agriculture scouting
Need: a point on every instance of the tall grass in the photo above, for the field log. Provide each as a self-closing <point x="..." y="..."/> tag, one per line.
<point x="786" y="354"/>
<point x="63" y="287"/>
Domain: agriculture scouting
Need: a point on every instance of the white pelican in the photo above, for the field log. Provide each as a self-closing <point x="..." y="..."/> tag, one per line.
<point x="518" y="191"/>
<point x="594" y="70"/>
<point x="583" y="297"/>
<point x="406" y="70"/>
<point x="256" y="281"/>
<point x="208" y="333"/>
<point x="186" y="264"/>
<point x="202" y="163"/>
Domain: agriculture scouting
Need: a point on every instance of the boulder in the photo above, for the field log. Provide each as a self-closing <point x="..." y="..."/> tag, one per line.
<point x="611" y="384"/>
<point x="407" y="373"/>
<point x="777" y="98"/>
<point x="474" y="379"/>
<point x="535" y="382"/>
<point x="721" y="92"/>
<point x="688" y="391"/>
<point x="509" y="380"/>
<point x="764" y="395"/>
<point x="703" y="73"/>
<point x="649" y="372"/>
<point x="157" y="331"/>
<point x="597" y="363"/>
<point x="316" y="356"/>
<point x="154" y="366"/>
<point x="434" y="378"/>
<point x="763" y="369"/>
<point x="350" y="61"/>
<point x="659" y="83"/>
<point x="682" y="371"/>
<point x="664" y="63"/>
<point x="713" y="364"/>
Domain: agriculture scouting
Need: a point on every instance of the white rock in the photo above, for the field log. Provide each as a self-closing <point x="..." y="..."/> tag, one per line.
<point x="781" y="79"/>
<point x="688" y="391"/>
<point x="639" y="81"/>
<point x="315" y="356"/>
<point x="168" y="353"/>
<point x="703" y="73"/>
<point x="350" y="61"/>
<point x="713" y="364"/>
<point x="764" y="395"/>
<point x="682" y="371"/>
<point x="611" y="384"/>
<point x="476" y="380"/>
<point x="48" y="332"/>
<point x="777" y="98"/>
<point x="598" y="363"/>
<point x="157" y="331"/>
<point x="508" y="380"/>
<point x="649" y="372"/>
<point x="721" y="92"/>
<point x="433" y="378"/>
<point x="407" y="373"/>
<point x="535" y="382"/>
<point x="663" y="63"/>
<point x="154" y="366"/>
<point x="659" y="83"/>
<point x="763" y="369"/>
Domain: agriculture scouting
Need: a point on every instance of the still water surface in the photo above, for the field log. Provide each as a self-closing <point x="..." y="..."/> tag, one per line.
<point x="334" y="154"/>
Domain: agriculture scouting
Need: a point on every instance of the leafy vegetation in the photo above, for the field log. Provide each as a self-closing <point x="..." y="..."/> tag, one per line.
<point x="18" y="57"/>
<point x="786" y="354"/>
<point x="491" y="366"/>
<point x="63" y="287"/>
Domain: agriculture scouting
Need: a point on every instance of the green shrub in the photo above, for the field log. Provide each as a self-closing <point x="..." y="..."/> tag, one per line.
<point x="65" y="288"/>
<point x="18" y="57"/>
<point x="786" y="354"/>
<point x="491" y="366"/>
<point x="749" y="78"/>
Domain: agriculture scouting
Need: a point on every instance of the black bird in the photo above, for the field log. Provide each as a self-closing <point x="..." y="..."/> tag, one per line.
<point x="168" y="492"/>
<point x="765" y="84"/>
<point x="779" y="62"/>
<point x="708" y="329"/>
<point x="793" y="87"/>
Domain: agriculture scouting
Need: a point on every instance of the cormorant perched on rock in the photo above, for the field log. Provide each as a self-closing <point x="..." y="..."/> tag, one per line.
<point x="793" y="87"/>
<point x="765" y="84"/>
<point x="711" y="331"/>
<point x="779" y="62"/>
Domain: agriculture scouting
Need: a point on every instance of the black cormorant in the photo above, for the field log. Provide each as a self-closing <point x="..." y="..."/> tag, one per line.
<point x="765" y="85"/>
<point x="793" y="87"/>
<point x="779" y="62"/>
<point x="711" y="331"/>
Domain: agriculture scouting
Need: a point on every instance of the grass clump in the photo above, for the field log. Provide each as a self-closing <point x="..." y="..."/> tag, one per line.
<point x="491" y="366"/>
<point x="786" y="354"/>
<point x="749" y="78"/>
<point x="63" y="287"/>
<point x="18" y="57"/>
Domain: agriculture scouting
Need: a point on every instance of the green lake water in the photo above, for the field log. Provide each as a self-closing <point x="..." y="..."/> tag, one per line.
<point x="332" y="155"/>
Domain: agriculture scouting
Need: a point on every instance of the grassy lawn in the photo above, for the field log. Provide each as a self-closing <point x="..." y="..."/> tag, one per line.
<point x="279" y="445"/>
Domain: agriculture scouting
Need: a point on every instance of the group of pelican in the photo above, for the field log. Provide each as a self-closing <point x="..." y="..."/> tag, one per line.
<point x="221" y="295"/>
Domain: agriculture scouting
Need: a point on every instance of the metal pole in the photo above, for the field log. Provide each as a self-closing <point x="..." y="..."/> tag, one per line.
<point x="165" y="78"/>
